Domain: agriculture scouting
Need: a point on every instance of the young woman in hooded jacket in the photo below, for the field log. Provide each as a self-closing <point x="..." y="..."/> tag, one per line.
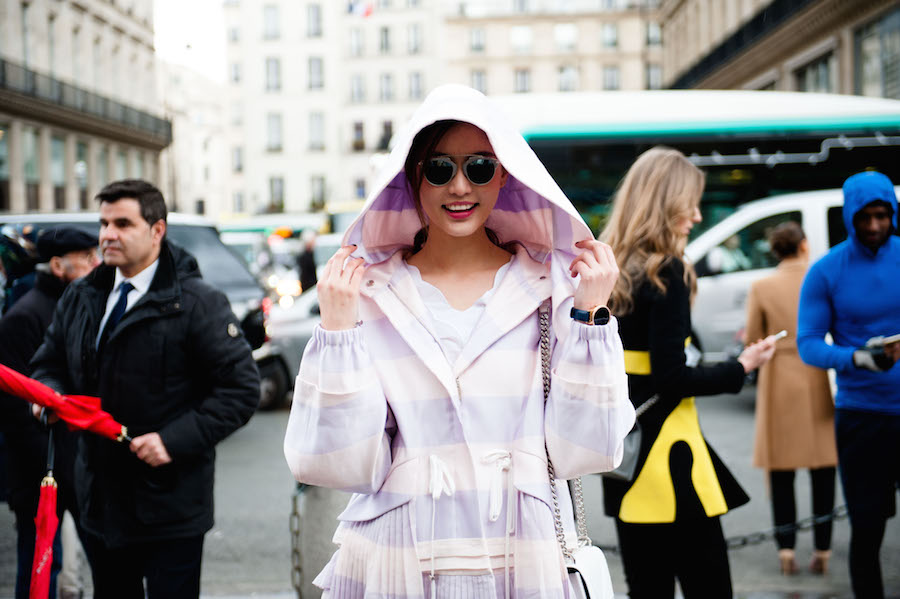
<point x="667" y="518"/>
<point x="421" y="391"/>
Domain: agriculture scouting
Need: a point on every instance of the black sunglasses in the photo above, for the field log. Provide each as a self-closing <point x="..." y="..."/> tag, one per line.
<point x="440" y="170"/>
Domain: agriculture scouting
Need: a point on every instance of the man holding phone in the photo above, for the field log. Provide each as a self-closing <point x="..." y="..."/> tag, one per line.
<point x="852" y="294"/>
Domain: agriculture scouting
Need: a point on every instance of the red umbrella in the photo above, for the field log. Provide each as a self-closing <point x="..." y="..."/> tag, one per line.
<point x="78" y="411"/>
<point x="45" y="524"/>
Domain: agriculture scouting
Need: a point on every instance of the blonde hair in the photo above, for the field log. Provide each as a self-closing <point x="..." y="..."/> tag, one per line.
<point x="659" y="191"/>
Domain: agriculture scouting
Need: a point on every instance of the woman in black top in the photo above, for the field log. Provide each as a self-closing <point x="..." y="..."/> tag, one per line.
<point x="667" y="518"/>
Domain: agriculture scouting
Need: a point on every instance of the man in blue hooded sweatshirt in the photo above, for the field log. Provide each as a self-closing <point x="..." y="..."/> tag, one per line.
<point x="852" y="293"/>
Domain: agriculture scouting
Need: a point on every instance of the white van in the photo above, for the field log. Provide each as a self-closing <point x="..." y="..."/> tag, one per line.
<point x="735" y="252"/>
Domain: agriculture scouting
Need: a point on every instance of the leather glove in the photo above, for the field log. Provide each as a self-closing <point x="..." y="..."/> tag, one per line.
<point x="872" y="358"/>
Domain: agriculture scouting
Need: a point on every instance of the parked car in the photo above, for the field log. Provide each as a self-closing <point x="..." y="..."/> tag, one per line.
<point x="291" y="328"/>
<point x="734" y="253"/>
<point x="222" y="269"/>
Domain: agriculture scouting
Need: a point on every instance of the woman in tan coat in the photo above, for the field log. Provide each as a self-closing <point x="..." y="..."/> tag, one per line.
<point x="794" y="406"/>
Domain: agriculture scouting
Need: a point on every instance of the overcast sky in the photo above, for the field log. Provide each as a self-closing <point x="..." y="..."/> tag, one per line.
<point x="191" y="33"/>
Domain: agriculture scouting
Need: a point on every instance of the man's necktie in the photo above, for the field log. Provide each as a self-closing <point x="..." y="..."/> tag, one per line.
<point x="118" y="310"/>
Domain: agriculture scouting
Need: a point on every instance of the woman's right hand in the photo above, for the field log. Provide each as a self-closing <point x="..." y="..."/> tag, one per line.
<point x="757" y="354"/>
<point x="338" y="290"/>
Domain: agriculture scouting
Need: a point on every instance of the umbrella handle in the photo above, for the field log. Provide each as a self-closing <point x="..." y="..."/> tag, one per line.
<point x="51" y="447"/>
<point x="123" y="436"/>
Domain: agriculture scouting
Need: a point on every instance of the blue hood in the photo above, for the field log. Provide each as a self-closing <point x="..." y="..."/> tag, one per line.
<point x="862" y="189"/>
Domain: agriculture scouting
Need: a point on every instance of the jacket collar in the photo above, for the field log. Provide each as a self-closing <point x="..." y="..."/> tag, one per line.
<point x="164" y="287"/>
<point x="49" y="284"/>
<point x="526" y="284"/>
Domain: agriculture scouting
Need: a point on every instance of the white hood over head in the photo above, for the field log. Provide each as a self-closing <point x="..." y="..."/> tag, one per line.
<point x="530" y="209"/>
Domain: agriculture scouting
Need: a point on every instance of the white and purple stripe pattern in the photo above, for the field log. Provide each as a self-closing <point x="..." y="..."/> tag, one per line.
<point x="374" y="403"/>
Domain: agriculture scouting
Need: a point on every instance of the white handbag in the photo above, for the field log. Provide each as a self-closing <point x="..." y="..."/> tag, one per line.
<point x="586" y="564"/>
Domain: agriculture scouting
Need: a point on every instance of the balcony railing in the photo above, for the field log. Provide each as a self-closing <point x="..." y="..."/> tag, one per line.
<point x="16" y="78"/>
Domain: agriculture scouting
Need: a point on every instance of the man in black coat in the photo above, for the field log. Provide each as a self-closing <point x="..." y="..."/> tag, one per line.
<point x="65" y="254"/>
<point x="166" y="355"/>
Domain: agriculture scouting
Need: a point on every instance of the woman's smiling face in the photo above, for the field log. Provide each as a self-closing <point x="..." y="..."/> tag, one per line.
<point x="460" y="208"/>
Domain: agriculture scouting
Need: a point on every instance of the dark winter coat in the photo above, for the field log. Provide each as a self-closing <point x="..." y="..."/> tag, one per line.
<point x="683" y="477"/>
<point x="176" y="364"/>
<point x="21" y="331"/>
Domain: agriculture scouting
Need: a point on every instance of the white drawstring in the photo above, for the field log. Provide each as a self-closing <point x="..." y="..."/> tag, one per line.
<point x="502" y="461"/>
<point x="441" y="482"/>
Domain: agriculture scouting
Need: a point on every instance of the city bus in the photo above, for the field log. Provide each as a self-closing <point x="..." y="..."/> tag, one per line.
<point x="752" y="144"/>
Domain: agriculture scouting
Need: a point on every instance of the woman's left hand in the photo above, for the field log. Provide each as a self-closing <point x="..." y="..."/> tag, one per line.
<point x="599" y="271"/>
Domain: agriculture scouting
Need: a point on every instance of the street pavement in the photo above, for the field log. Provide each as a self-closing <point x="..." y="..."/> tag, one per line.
<point x="248" y="552"/>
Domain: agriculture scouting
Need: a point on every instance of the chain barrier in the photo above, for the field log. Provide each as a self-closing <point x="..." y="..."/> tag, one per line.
<point x="296" y="568"/>
<point x="755" y="538"/>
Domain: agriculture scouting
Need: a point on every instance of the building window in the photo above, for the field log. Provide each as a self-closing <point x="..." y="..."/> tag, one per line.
<point x="237" y="159"/>
<point x="522" y="81"/>
<point x="356" y="42"/>
<point x="237" y="201"/>
<point x="386" y="87"/>
<point x="81" y="172"/>
<point x="476" y="39"/>
<point x="357" y="89"/>
<point x="200" y="206"/>
<point x="313" y="20"/>
<point x="520" y="39"/>
<point x="568" y="78"/>
<point x="51" y="43"/>
<point x="235" y="72"/>
<point x="566" y="36"/>
<point x="610" y="35"/>
<point x="877" y="57"/>
<point x="610" y="78"/>
<point x="234" y="35"/>
<point x="387" y="132"/>
<point x="276" y="194"/>
<point x="103" y="165"/>
<point x="273" y="132"/>
<point x="359" y="136"/>
<point x="414" y="38"/>
<point x="32" y="167"/>
<point x="316" y="131"/>
<point x="121" y="164"/>
<point x="384" y="40"/>
<point x="58" y="171"/>
<point x="316" y="75"/>
<point x="271" y="23"/>
<point x="273" y="75"/>
<point x="237" y="114"/>
<point x="360" y="186"/>
<point x="415" y="85"/>
<point x="819" y="75"/>
<point x="654" y="34"/>
<point x="5" y="203"/>
<point x="520" y="5"/>
<point x="26" y="34"/>
<point x="654" y="76"/>
<point x="478" y="80"/>
<point x="317" y="191"/>
<point x="384" y="3"/>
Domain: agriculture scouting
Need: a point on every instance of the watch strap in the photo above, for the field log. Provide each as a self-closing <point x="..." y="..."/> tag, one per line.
<point x="598" y="315"/>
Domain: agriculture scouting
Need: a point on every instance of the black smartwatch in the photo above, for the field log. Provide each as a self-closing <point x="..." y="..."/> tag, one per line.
<point x="596" y="315"/>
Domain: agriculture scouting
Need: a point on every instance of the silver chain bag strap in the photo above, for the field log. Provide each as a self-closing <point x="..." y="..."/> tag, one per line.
<point x="586" y="565"/>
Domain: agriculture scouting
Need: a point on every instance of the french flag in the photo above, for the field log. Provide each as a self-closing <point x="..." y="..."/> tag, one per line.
<point x="359" y="8"/>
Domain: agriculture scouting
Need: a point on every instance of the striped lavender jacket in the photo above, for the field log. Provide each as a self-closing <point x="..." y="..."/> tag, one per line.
<point x="447" y="460"/>
<point x="376" y="407"/>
